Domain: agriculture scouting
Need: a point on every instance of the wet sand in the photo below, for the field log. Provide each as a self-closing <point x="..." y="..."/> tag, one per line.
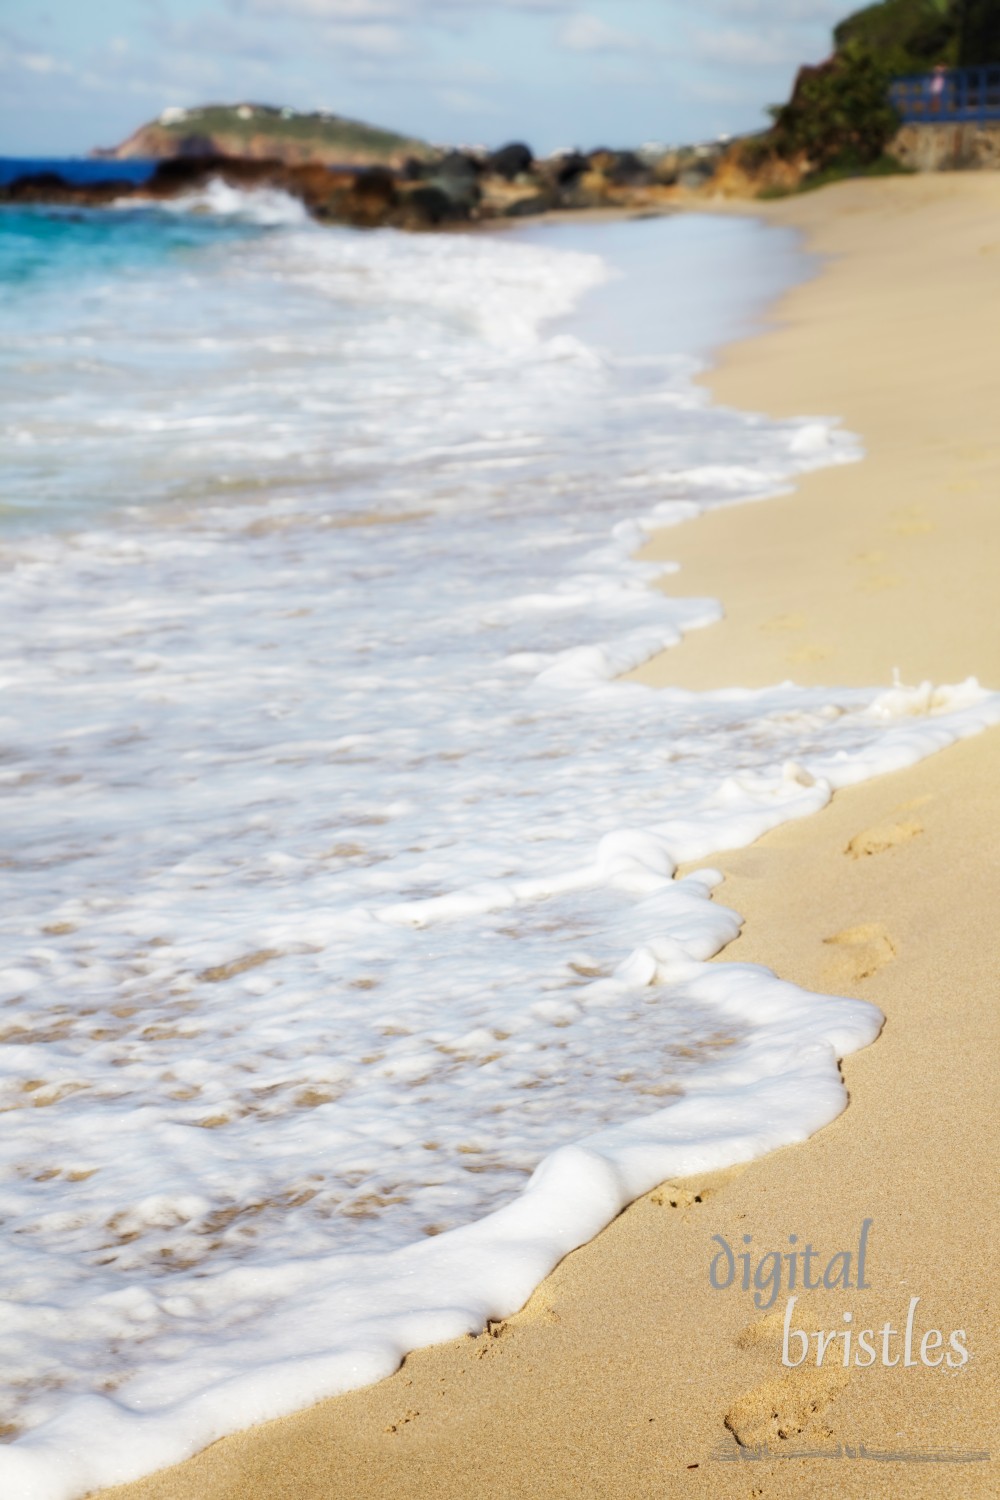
<point x="628" y="1374"/>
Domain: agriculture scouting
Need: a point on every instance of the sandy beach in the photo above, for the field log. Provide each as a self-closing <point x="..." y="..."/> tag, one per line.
<point x="628" y="1373"/>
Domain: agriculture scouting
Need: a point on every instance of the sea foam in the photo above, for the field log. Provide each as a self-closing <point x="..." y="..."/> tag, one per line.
<point x="350" y="982"/>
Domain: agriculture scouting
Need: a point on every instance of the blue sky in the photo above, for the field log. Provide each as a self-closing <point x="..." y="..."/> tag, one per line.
<point x="552" y="72"/>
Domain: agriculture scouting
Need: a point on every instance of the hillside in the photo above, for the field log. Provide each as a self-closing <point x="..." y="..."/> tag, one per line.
<point x="910" y="36"/>
<point x="840" y="121"/>
<point x="264" y="131"/>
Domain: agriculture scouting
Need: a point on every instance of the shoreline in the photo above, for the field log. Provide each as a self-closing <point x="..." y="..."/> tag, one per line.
<point x="651" y="1386"/>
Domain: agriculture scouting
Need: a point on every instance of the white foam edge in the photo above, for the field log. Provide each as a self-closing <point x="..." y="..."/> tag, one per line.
<point x="784" y="1085"/>
<point x="777" y="1087"/>
<point x="266" y="206"/>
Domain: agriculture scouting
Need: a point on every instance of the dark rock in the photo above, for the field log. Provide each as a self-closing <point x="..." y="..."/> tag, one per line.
<point x="510" y="161"/>
<point x="696" y="175"/>
<point x="178" y="174"/>
<point x="52" y="187"/>
<point x="584" y="194"/>
<point x="569" y="168"/>
<point x="534" y="203"/>
<point x="364" y="199"/>
<point x="39" y="182"/>
<point x="427" y="206"/>
<point x="457" y="177"/>
<point x="628" y="170"/>
<point x="620" y="168"/>
<point x="371" y="197"/>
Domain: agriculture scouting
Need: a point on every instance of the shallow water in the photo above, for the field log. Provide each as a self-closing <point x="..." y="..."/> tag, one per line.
<point x="337" y="888"/>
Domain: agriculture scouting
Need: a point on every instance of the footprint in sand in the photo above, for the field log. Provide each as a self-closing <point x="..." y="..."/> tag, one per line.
<point x="882" y="837"/>
<point x="784" y="1407"/>
<point x="914" y="528"/>
<point x="766" y="1330"/>
<point x="669" y="1196"/>
<point x="911" y="522"/>
<point x="807" y="653"/>
<point x="860" y="952"/>
<point x="784" y="622"/>
<point x="873" y="583"/>
<point x="879" y="584"/>
<point x="687" y="1195"/>
<point x="769" y="1328"/>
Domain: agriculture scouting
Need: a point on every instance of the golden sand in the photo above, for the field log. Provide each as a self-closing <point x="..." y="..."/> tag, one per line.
<point x="628" y="1374"/>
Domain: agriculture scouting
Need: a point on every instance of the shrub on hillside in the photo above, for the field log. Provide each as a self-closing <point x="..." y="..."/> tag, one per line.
<point x="839" y="114"/>
<point x="979" y="34"/>
<point x="907" y="36"/>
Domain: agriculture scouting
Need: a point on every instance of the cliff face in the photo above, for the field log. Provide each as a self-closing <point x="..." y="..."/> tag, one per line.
<point x="261" y="132"/>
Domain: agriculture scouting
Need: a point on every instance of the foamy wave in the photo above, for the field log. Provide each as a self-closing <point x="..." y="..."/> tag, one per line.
<point x="269" y="207"/>
<point x="501" y="290"/>
<point x="349" y="982"/>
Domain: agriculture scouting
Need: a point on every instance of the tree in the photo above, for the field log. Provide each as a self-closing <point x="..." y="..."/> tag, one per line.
<point x="907" y="36"/>
<point x="979" y="32"/>
<point x="839" y="114"/>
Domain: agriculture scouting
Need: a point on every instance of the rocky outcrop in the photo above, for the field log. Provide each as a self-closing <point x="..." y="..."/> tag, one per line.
<point x="50" y="187"/>
<point x="456" y="178"/>
<point x="451" y="188"/>
<point x="750" y="169"/>
<point x="510" y="161"/>
<point x="365" y="197"/>
<point x="455" y="188"/>
<point x="947" y="148"/>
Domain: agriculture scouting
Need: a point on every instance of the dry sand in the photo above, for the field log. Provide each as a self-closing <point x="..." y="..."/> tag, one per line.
<point x="620" y="1376"/>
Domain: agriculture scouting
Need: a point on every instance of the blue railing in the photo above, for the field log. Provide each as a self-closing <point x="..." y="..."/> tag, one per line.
<point x="948" y="95"/>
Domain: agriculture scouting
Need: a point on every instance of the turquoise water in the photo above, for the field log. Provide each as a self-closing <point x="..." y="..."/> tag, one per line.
<point x="68" y="247"/>
<point x="222" y="344"/>
<point x="109" y="320"/>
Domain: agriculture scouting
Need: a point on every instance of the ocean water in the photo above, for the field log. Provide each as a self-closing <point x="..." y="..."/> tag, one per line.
<point x="79" y="169"/>
<point x="347" y="984"/>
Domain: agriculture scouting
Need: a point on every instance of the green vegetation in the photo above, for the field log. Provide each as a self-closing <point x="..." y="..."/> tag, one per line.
<point x="979" y="32"/>
<point x="839" y="118"/>
<point x="903" y="36"/>
<point x="321" y="134"/>
<point x="839" y="115"/>
<point x="882" y="166"/>
<point x="911" y="36"/>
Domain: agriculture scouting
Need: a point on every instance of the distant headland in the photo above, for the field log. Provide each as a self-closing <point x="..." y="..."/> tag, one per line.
<point x="266" y="131"/>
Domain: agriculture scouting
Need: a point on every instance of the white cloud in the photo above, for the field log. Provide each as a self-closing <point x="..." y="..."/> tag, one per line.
<point x="374" y="40"/>
<point x="393" y="10"/>
<point x="784" y="12"/>
<point x="585" y="33"/>
<point x="332" y="10"/>
<point x="745" y="49"/>
<point x="460" y="102"/>
<point x="42" y="62"/>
